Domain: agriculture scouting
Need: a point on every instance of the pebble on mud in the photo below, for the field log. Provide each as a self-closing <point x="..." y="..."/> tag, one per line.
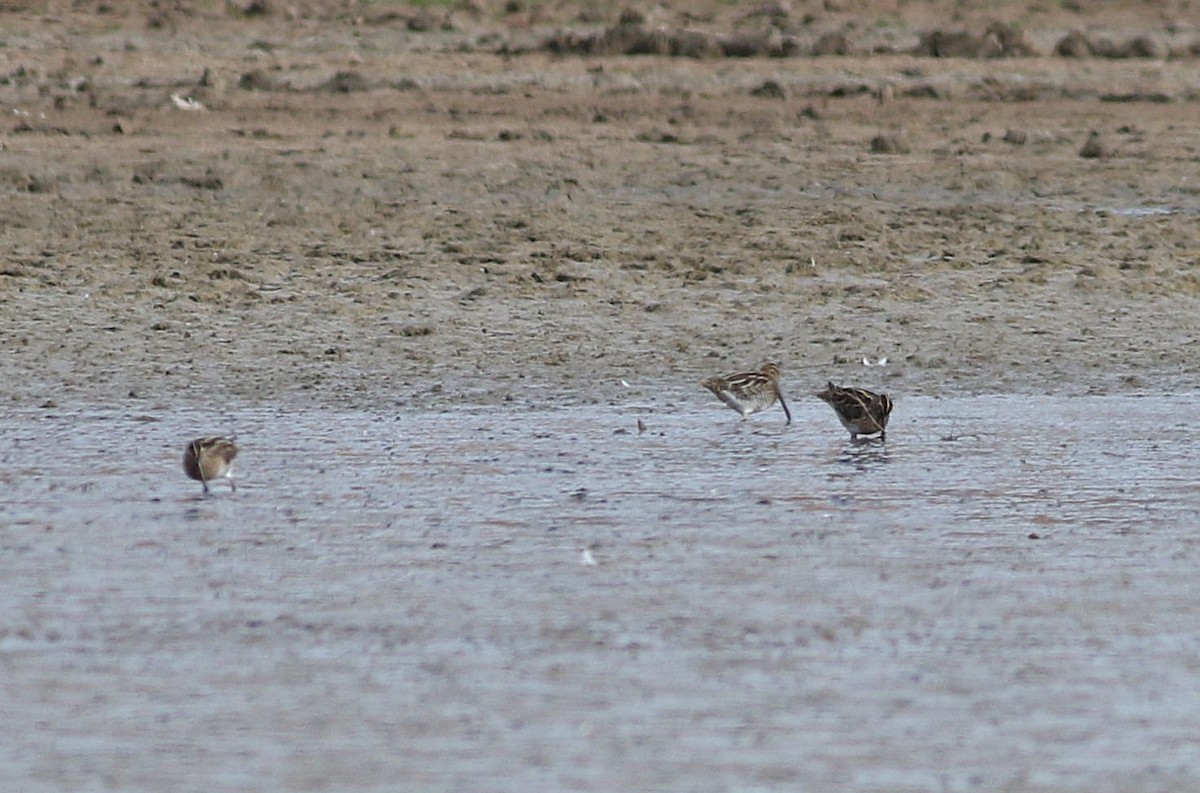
<point x="257" y="80"/>
<point x="889" y="144"/>
<point x="345" y="82"/>
<point x="770" y="89"/>
<point x="1095" y="147"/>
<point x="831" y="43"/>
<point x="1073" y="45"/>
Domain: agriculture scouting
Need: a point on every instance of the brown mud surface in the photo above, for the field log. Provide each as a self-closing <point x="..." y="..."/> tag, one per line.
<point x="383" y="205"/>
<point x="318" y="214"/>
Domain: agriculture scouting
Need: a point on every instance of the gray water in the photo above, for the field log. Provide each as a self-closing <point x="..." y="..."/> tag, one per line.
<point x="1002" y="596"/>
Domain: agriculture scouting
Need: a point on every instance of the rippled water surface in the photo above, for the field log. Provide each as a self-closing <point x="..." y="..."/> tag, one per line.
<point x="1004" y="595"/>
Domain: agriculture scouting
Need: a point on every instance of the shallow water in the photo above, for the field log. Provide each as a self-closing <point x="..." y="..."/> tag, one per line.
<point x="1002" y="595"/>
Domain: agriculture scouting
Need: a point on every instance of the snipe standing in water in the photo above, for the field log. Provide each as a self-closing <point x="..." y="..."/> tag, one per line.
<point x="750" y="392"/>
<point x="206" y="459"/>
<point x="861" y="412"/>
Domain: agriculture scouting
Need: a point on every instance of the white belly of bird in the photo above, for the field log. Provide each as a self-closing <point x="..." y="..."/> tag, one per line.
<point x="753" y="403"/>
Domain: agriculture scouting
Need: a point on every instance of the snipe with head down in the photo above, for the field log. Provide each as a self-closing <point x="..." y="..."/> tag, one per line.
<point x="749" y="392"/>
<point x="206" y="459"/>
<point x="861" y="412"/>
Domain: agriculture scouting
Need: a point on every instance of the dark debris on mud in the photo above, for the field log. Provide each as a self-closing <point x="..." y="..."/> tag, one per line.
<point x="996" y="40"/>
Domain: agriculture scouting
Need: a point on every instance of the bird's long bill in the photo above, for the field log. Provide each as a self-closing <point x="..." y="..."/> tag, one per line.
<point x="786" y="412"/>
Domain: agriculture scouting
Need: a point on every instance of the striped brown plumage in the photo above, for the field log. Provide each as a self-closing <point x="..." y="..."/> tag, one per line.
<point x="206" y="459"/>
<point x="861" y="412"/>
<point x="749" y="392"/>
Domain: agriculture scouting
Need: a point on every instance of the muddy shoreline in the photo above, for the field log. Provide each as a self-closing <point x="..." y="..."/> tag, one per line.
<point x="434" y="276"/>
<point x="388" y="221"/>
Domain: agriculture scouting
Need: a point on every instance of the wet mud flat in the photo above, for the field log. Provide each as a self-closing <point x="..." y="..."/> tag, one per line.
<point x="997" y="598"/>
<point x="308" y="206"/>
<point x="431" y="270"/>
